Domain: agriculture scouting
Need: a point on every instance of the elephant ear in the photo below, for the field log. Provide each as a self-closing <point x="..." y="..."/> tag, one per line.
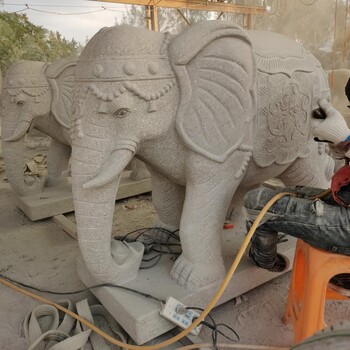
<point x="60" y="75"/>
<point x="215" y="67"/>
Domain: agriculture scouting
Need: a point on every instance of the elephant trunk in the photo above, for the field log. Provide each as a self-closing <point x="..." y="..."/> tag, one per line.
<point x="21" y="129"/>
<point x="13" y="134"/>
<point x="94" y="201"/>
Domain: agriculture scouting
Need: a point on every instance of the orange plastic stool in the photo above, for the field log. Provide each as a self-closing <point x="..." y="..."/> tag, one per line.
<point x="308" y="291"/>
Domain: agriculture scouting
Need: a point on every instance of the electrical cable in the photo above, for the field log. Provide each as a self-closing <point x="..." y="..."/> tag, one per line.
<point x="152" y="243"/>
<point x="321" y="195"/>
<point x="200" y="317"/>
<point x="52" y="5"/>
<point x="215" y="327"/>
<point x="146" y="229"/>
<point x="67" y="13"/>
<point x="32" y="7"/>
<point x="184" y="6"/>
<point x="233" y="346"/>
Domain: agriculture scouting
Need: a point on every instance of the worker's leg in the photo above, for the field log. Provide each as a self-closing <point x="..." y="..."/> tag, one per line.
<point x="323" y="225"/>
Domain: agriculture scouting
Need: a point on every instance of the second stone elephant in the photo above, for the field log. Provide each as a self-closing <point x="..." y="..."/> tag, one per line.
<point x="37" y="95"/>
<point x="211" y="110"/>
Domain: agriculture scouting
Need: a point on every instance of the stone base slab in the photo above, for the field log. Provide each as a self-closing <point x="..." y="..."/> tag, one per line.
<point x="140" y="316"/>
<point x="58" y="200"/>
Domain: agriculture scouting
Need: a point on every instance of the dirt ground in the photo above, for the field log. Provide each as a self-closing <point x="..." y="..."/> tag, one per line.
<point x="41" y="254"/>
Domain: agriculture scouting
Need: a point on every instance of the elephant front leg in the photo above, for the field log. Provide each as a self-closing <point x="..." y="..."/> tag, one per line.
<point x="168" y="199"/>
<point x="201" y="262"/>
<point x="57" y="161"/>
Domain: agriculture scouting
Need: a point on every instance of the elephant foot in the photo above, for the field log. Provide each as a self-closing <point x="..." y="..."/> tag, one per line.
<point x="33" y="185"/>
<point x="123" y="266"/>
<point x="196" y="275"/>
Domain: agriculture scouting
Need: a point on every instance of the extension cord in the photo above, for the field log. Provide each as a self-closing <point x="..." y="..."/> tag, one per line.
<point x="179" y="314"/>
<point x="197" y="322"/>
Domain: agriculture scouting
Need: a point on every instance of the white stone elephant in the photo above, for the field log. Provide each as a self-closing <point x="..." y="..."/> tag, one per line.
<point x="37" y="95"/>
<point x="210" y="110"/>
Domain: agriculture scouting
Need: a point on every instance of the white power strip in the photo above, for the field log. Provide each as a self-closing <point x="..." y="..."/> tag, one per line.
<point x="178" y="313"/>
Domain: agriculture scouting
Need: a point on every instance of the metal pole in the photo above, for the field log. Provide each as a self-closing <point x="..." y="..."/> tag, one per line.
<point x="154" y="18"/>
<point x="148" y="17"/>
<point x="247" y="21"/>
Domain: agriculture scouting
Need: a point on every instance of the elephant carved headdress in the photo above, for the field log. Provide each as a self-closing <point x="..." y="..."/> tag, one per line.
<point x="119" y="59"/>
<point x="28" y="78"/>
<point x="36" y="79"/>
<point x="213" y="64"/>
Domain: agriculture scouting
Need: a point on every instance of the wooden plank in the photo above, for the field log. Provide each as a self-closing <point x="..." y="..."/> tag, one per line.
<point x="58" y="200"/>
<point x="67" y="225"/>
<point x="201" y="5"/>
<point x="274" y="183"/>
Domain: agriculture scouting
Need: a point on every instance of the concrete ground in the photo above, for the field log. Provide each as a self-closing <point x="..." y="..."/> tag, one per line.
<point x="41" y="254"/>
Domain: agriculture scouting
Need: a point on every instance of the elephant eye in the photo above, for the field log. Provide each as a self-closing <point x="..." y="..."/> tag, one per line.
<point x="121" y="112"/>
<point x="20" y="103"/>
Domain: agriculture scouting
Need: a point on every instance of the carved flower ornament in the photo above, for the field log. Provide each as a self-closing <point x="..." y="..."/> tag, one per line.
<point x="288" y="115"/>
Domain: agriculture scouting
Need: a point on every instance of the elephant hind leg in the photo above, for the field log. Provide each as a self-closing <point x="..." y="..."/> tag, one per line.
<point x="315" y="170"/>
<point x="168" y="199"/>
<point x="57" y="161"/>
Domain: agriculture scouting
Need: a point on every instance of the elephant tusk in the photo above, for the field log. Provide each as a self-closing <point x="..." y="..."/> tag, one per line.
<point x="111" y="169"/>
<point x="21" y="129"/>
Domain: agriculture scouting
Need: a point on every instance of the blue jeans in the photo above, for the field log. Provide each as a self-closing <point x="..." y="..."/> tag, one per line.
<point x="321" y="223"/>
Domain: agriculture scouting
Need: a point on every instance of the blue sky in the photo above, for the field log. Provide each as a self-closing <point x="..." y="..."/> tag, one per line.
<point x="78" y="26"/>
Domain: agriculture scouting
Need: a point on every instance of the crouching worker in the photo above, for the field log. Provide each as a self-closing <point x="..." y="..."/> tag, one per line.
<point x="323" y="223"/>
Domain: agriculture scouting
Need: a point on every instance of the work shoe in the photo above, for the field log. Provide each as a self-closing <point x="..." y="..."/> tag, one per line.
<point x="279" y="264"/>
<point x="341" y="284"/>
<point x="263" y="250"/>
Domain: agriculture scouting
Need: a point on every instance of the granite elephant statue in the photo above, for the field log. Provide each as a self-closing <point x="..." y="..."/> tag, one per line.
<point x="37" y="95"/>
<point x="208" y="111"/>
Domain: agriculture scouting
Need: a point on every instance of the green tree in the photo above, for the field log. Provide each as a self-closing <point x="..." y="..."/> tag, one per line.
<point x="22" y="40"/>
